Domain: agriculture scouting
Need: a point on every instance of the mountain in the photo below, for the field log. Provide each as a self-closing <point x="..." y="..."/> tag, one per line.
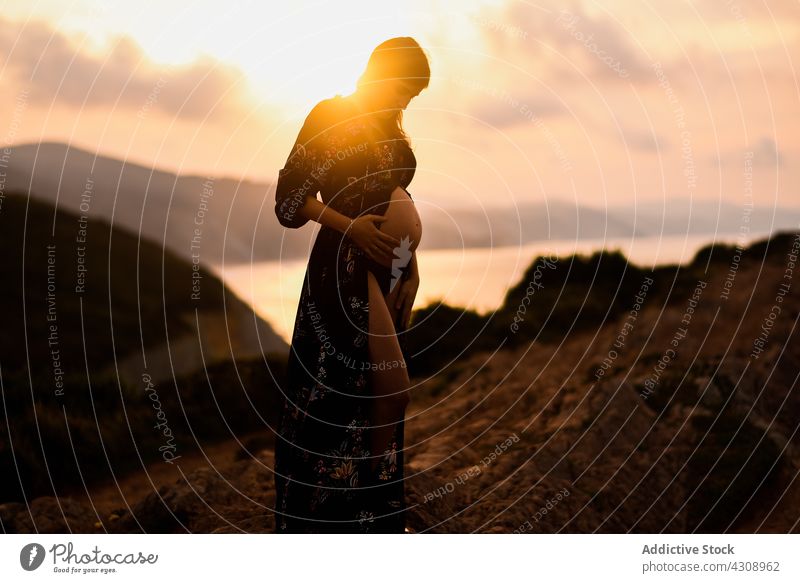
<point x="238" y="223"/>
<point x="681" y="215"/>
<point x="235" y="218"/>
<point x="495" y="226"/>
<point x="678" y="417"/>
<point x="99" y="326"/>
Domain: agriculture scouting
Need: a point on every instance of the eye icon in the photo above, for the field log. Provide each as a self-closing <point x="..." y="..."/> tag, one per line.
<point x="31" y="556"/>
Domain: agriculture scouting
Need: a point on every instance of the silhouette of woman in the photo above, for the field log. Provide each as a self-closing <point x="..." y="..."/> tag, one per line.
<point x="339" y="448"/>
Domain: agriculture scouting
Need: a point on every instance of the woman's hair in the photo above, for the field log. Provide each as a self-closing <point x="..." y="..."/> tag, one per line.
<point x="400" y="58"/>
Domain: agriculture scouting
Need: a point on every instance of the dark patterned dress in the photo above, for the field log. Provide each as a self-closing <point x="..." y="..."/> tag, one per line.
<point x="322" y="468"/>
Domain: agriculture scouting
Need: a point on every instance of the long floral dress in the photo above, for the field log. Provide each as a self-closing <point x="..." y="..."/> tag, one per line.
<point x="322" y="467"/>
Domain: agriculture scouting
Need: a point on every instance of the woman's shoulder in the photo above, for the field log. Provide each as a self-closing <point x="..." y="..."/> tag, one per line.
<point x="329" y="112"/>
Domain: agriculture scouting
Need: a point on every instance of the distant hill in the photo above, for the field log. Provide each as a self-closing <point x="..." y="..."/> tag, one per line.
<point x="239" y="223"/>
<point x="95" y="323"/>
<point x="154" y="296"/>
<point x="494" y="226"/>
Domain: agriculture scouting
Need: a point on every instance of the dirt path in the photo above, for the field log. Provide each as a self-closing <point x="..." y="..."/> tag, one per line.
<point x="113" y="496"/>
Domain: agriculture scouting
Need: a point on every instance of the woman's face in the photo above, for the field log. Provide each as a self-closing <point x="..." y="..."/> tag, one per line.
<point x="395" y="95"/>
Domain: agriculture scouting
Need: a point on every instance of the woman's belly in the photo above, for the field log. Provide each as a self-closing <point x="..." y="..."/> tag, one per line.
<point x="402" y="221"/>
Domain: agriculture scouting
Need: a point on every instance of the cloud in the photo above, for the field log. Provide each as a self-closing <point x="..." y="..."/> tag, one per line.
<point x="645" y="141"/>
<point x="598" y="47"/>
<point x="56" y="70"/>
<point x="767" y="153"/>
<point x="764" y="153"/>
<point x="511" y="111"/>
<point x="505" y="104"/>
<point x="541" y="60"/>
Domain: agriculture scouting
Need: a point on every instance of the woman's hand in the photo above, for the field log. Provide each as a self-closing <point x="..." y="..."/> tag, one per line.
<point x="378" y="245"/>
<point x="405" y="298"/>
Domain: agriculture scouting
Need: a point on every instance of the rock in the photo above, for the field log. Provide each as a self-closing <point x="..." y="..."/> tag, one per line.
<point x="48" y="515"/>
<point x="206" y="501"/>
<point x="546" y="447"/>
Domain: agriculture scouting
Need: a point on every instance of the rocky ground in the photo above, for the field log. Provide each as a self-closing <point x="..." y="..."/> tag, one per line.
<point x="536" y="440"/>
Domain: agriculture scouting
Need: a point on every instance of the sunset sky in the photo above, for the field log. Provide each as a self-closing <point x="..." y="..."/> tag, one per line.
<point x="599" y="103"/>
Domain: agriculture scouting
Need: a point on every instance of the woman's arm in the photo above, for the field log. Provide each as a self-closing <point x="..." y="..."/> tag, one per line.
<point x="316" y="210"/>
<point x="300" y="178"/>
<point x="413" y="270"/>
<point x="306" y="173"/>
<point x="362" y="230"/>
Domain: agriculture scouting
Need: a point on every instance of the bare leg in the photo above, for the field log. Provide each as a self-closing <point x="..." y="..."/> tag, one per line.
<point x="391" y="298"/>
<point x="390" y="381"/>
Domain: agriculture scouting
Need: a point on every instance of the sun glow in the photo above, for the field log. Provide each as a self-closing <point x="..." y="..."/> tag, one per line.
<point x="291" y="54"/>
<point x="288" y="53"/>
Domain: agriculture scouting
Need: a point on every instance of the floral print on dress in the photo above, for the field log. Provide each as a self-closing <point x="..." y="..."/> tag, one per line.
<point x="323" y="476"/>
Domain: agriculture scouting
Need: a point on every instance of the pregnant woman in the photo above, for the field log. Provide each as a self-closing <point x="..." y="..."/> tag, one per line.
<point x="339" y="448"/>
